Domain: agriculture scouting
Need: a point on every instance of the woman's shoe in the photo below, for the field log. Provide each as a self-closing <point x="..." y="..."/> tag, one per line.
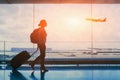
<point x="44" y="70"/>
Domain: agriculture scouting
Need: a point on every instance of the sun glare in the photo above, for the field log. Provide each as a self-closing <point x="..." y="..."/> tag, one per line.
<point x="73" y="22"/>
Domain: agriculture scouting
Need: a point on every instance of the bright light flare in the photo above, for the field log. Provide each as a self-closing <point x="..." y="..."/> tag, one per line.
<point x="73" y="22"/>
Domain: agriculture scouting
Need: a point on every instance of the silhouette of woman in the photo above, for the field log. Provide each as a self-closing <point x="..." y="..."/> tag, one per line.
<point x="41" y="45"/>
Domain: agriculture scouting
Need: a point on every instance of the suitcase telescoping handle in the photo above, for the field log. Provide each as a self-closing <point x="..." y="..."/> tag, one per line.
<point x="34" y="52"/>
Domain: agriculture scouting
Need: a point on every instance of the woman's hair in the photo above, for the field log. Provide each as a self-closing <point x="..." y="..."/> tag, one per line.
<point x="43" y="23"/>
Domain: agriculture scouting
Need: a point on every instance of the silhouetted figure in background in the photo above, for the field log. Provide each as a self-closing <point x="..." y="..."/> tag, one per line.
<point x="41" y="45"/>
<point x="34" y="78"/>
<point x="16" y="75"/>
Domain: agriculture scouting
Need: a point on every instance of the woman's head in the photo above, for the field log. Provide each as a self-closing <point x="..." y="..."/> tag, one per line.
<point x="42" y="23"/>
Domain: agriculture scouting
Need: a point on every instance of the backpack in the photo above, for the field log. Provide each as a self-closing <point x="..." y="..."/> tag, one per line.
<point x="34" y="37"/>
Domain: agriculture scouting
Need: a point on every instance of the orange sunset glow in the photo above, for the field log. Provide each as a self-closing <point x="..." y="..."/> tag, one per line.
<point x="59" y="40"/>
<point x="67" y="22"/>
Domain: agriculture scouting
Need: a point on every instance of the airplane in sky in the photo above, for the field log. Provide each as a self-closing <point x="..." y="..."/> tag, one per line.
<point x="96" y="20"/>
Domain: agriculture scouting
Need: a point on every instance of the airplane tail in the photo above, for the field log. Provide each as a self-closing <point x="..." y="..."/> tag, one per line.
<point x="104" y="20"/>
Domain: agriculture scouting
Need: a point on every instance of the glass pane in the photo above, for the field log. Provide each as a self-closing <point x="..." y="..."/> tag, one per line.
<point x="75" y="32"/>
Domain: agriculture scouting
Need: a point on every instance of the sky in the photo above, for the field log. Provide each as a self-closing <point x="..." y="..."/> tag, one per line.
<point x="66" y="22"/>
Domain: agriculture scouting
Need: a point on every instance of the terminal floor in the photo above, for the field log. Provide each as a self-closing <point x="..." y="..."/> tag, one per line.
<point x="61" y="73"/>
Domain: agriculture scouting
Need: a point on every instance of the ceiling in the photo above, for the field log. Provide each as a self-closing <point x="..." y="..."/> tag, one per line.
<point x="59" y="1"/>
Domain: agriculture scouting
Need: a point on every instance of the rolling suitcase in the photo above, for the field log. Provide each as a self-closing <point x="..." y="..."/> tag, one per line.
<point x="20" y="58"/>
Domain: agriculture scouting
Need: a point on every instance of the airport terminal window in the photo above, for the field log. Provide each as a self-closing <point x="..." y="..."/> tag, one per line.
<point x="74" y="30"/>
<point x="82" y="40"/>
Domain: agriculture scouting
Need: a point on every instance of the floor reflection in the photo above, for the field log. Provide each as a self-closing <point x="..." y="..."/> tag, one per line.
<point x="32" y="76"/>
<point x="16" y="75"/>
